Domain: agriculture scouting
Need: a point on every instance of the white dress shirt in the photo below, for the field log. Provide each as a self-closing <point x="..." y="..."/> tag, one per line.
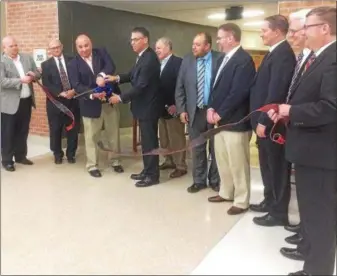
<point x="272" y="48"/>
<point x="318" y="52"/>
<point x="25" y="90"/>
<point x="164" y="62"/>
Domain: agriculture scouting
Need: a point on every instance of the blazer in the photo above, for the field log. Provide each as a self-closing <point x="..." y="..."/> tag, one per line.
<point x="272" y="82"/>
<point x="186" y="88"/>
<point x="230" y="94"/>
<point x="82" y="79"/>
<point x="52" y="80"/>
<point x="144" y="92"/>
<point x="11" y="84"/>
<point x="167" y="87"/>
<point x="312" y="131"/>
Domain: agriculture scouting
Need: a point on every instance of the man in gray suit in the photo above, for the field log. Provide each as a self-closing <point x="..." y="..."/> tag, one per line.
<point x="17" y="98"/>
<point x="192" y="95"/>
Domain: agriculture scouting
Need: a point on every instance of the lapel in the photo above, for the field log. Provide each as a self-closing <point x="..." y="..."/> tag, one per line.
<point x="166" y="66"/>
<point x="55" y="68"/>
<point x="214" y="62"/>
<point x="25" y="64"/>
<point x="265" y="58"/>
<point x="95" y="63"/>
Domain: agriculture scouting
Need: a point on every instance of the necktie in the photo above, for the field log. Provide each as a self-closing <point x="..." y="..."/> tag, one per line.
<point x="200" y="82"/>
<point x="64" y="77"/>
<point x="295" y="75"/>
<point x="310" y="61"/>
<point x="223" y="63"/>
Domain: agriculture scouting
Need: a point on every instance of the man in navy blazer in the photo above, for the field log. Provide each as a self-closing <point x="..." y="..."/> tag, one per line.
<point x="85" y="72"/>
<point x="229" y="104"/>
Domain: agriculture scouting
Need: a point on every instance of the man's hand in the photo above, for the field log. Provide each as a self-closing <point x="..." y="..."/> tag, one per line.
<point x="31" y="74"/>
<point x="261" y="131"/>
<point x="210" y="113"/>
<point x="110" y="78"/>
<point x="216" y="117"/>
<point x="70" y="94"/>
<point x="273" y="116"/>
<point x="184" y="117"/>
<point x="284" y="110"/>
<point x="26" y="79"/>
<point x="172" y="109"/>
<point x="114" y="99"/>
<point x="98" y="95"/>
<point x="100" y="81"/>
<point x="63" y="94"/>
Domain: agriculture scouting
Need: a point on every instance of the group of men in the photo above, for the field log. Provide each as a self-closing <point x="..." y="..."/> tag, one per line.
<point x="204" y="90"/>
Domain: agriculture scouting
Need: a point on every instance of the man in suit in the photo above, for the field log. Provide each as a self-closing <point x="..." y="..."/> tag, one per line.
<point x="271" y="85"/>
<point x="145" y="102"/>
<point x="171" y="129"/>
<point x="55" y="78"/>
<point x="18" y="71"/>
<point x="229" y="104"/>
<point x="311" y="143"/>
<point x="86" y="71"/>
<point x="192" y="98"/>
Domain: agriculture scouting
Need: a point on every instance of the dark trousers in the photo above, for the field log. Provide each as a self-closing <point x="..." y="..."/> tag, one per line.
<point x="149" y="141"/>
<point x="57" y="122"/>
<point x="14" y="132"/>
<point x="200" y="168"/>
<point x="317" y="197"/>
<point x="275" y="172"/>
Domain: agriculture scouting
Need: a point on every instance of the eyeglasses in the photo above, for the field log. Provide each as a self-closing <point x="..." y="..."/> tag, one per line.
<point x="291" y="31"/>
<point x="136" y="39"/>
<point x="313" y="25"/>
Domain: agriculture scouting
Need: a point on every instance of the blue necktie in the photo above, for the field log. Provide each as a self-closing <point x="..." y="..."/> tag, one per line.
<point x="200" y="82"/>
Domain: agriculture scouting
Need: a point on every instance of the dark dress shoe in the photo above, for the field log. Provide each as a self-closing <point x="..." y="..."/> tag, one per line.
<point x="166" y="166"/>
<point x="294" y="239"/>
<point x="293" y="228"/>
<point x="216" y="199"/>
<point x="292" y="253"/>
<point x="9" y="167"/>
<point x="24" y="161"/>
<point x="58" y="160"/>
<point x="236" y="210"/>
<point x="177" y="173"/>
<point x="301" y="272"/>
<point x="71" y="160"/>
<point x="215" y="187"/>
<point x="138" y="176"/>
<point x="268" y="220"/>
<point x="118" y="169"/>
<point x="95" y="173"/>
<point x="260" y="208"/>
<point x="196" y="188"/>
<point x="146" y="182"/>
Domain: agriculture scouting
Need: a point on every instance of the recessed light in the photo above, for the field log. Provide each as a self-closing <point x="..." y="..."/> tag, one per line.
<point x="245" y="14"/>
<point x="252" y="13"/>
<point x="254" y="23"/>
<point x="217" y="16"/>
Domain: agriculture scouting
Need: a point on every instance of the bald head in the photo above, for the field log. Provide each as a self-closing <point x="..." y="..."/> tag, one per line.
<point x="83" y="46"/>
<point x="10" y="46"/>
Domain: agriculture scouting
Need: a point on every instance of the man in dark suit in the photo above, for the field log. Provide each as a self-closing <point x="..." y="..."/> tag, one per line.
<point x="271" y="85"/>
<point x="171" y="129"/>
<point x="193" y="89"/>
<point x="145" y="102"/>
<point x="55" y="78"/>
<point x="87" y="71"/>
<point x="312" y="143"/>
<point x="230" y="103"/>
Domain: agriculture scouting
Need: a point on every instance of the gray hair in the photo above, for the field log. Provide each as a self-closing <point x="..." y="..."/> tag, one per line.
<point x="166" y="41"/>
<point x="299" y="15"/>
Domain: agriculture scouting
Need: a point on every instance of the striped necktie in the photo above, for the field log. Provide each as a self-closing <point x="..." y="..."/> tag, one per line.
<point x="63" y="76"/>
<point x="200" y="82"/>
<point x="295" y="75"/>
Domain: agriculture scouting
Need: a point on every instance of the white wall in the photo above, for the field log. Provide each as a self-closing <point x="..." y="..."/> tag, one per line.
<point x="251" y="40"/>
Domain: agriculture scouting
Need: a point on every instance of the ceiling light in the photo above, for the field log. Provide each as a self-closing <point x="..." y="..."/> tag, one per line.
<point x="252" y="13"/>
<point x="217" y="16"/>
<point x="254" y="23"/>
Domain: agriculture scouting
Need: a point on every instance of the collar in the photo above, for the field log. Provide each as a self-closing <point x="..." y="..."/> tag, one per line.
<point x="319" y="51"/>
<point x="16" y="59"/>
<point x="166" y="59"/>
<point x="142" y="52"/>
<point x="206" y="57"/>
<point x="232" y="52"/>
<point x="272" y="48"/>
<point x="306" y="52"/>
<point x="61" y="57"/>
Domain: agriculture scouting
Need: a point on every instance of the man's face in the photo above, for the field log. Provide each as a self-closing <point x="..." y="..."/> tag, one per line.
<point x="84" y="47"/>
<point x="55" y="49"/>
<point x="162" y="50"/>
<point x="223" y="40"/>
<point x="200" y="47"/>
<point x="138" y="42"/>
<point x="11" y="47"/>
<point x="315" y="30"/>
<point x="296" y="34"/>
<point x="267" y="34"/>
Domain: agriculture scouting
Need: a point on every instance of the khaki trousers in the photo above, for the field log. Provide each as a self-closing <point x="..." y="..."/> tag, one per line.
<point x="172" y="137"/>
<point x="93" y="131"/>
<point x="233" y="158"/>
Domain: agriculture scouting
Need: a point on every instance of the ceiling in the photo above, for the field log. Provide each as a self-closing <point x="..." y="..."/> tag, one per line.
<point x="193" y="12"/>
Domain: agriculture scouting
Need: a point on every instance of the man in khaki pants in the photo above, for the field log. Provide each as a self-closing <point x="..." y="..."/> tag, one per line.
<point x="87" y="71"/>
<point x="171" y="129"/>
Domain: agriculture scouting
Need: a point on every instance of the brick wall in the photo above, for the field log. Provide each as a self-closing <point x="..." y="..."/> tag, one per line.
<point x="34" y="24"/>
<point x="287" y="7"/>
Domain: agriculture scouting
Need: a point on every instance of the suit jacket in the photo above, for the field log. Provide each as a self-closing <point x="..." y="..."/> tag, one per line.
<point x="83" y="79"/>
<point x="144" y="93"/>
<point x="168" y="80"/>
<point x="312" y="130"/>
<point x="52" y="80"/>
<point x="230" y="94"/>
<point x="11" y="84"/>
<point x="272" y="82"/>
<point x="186" y="88"/>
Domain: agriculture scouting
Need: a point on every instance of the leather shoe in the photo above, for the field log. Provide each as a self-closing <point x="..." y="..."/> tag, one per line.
<point x="138" y="176"/>
<point x="196" y="188"/>
<point x="292" y="253"/>
<point x="268" y="220"/>
<point x="236" y="210"/>
<point x="58" y="160"/>
<point x="118" y="169"/>
<point x="24" y="161"/>
<point x="71" y="160"/>
<point x="260" y="208"/>
<point x="9" y="167"/>
<point x="146" y="182"/>
<point x="177" y="173"/>
<point x="216" y="199"/>
<point x="215" y="187"/>
<point x="166" y="166"/>
<point x="294" y="239"/>
<point x="95" y="173"/>
<point x="293" y="228"/>
<point x="301" y="272"/>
